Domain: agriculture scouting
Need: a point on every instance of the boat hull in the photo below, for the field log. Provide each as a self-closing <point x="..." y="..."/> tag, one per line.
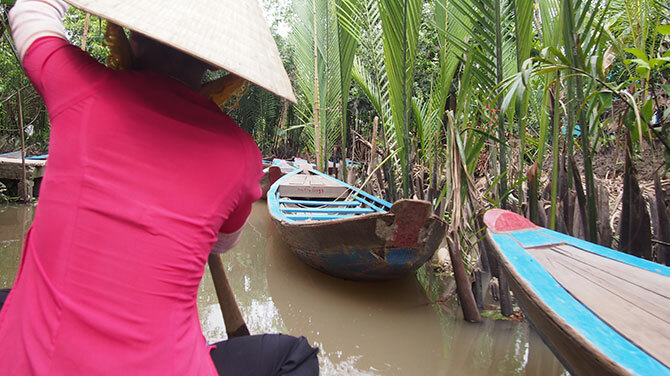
<point x="370" y="247"/>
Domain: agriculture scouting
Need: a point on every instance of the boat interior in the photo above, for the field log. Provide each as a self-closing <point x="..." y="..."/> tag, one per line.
<point x="633" y="301"/>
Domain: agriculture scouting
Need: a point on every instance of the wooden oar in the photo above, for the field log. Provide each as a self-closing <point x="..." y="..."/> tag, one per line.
<point x="232" y="317"/>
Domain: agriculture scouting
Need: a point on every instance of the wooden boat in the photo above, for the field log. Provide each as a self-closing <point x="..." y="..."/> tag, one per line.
<point x="602" y="312"/>
<point x="348" y="233"/>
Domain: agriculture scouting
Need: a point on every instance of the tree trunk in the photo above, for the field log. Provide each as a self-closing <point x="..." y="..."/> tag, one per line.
<point x="605" y="235"/>
<point x="581" y="201"/>
<point x="635" y="230"/>
<point x="532" y="195"/>
<point x="372" y="163"/>
<point x="663" y="229"/>
<point x="317" y="108"/>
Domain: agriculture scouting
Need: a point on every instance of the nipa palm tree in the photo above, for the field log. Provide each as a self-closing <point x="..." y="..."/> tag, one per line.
<point x="324" y="53"/>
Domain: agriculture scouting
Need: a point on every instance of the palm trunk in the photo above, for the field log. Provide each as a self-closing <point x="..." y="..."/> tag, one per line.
<point x="317" y="112"/>
<point x="592" y="213"/>
<point x="556" y="124"/>
<point x="407" y="165"/>
<point x="502" y="153"/>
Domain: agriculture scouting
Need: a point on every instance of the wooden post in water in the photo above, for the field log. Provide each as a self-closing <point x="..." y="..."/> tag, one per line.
<point x="505" y="300"/>
<point x="486" y="249"/>
<point x="463" y="288"/>
<point x="483" y="276"/>
<point x="24" y="181"/>
<point x="232" y="317"/>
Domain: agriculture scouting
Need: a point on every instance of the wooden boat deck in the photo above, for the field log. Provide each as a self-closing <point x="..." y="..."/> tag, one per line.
<point x="603" y="312"/>
<point x="633" y="301"/>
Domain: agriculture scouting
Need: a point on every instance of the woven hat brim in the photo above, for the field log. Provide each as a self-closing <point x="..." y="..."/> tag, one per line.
<point x="229" y="34"/>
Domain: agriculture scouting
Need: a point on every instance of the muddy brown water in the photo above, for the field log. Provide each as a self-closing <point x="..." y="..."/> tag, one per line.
<point x="388" y="328"/>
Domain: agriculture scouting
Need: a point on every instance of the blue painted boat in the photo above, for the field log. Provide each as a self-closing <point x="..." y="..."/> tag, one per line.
<point x="601" y="311"/>
<point x="349" y="233"/>
<point x="17" y="155"/>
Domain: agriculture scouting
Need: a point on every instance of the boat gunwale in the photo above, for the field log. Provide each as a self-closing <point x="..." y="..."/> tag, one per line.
<point x="355" y="218"/>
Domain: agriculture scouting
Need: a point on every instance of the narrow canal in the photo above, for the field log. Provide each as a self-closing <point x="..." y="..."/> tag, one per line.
<point x="389" y="328"/>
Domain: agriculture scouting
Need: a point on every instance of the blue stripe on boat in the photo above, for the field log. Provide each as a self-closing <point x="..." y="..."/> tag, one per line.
<point x="317" y="203"/>
<point x="43" y="156"/>
<point x="298" y="217"/>
<point x="532" y="238"/>
<point x="365" y="202"/>
<point x="575" y="314"/>
<point x="364" y="263"/>
<point x="328" y="210"/>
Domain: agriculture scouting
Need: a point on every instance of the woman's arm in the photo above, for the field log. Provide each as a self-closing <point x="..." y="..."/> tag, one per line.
<point x="33" y="19"/>
<point x="62" y="73"/>
<point x="250" y="192"/>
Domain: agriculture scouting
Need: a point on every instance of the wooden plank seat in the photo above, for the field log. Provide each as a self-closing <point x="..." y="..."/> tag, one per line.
<point x="328" y="210"/>
<point x="302" y="217"/>
<point x="319" y="202"/>
<point x="311" y="186"/>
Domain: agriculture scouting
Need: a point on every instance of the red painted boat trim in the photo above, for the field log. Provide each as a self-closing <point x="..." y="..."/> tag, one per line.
<point x="409" y="219"/>
<point x="499" y="220"/>
<point x="274" y="173"/>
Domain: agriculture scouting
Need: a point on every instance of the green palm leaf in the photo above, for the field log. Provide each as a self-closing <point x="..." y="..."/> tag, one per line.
<point x="315" y="41"/>
<point x="400" y="25"/>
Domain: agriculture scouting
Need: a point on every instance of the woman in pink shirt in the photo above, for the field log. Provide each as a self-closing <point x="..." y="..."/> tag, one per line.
<point x="128" y="213"/>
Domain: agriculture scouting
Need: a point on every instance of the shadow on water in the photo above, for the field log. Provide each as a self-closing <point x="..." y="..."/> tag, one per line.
<point x="388" y="328"/>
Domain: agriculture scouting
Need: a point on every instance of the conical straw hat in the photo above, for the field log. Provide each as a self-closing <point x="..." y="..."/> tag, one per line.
<point x="229" y="34"/>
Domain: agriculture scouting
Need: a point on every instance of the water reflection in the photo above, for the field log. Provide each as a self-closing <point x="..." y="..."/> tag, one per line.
<point x="388" y="328"/>
<point x="375" y="328"/>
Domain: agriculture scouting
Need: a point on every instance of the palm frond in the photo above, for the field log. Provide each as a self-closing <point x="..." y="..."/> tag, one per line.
<point x="348" y="43"/>
<point x="400" y="25"/>
<point x="315" y="40"/>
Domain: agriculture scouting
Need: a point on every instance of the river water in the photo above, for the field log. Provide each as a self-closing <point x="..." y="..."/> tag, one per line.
<point x="388" y="328"/>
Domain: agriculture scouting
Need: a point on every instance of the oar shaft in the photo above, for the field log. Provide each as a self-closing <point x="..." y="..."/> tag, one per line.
<point x="232" y="317"/>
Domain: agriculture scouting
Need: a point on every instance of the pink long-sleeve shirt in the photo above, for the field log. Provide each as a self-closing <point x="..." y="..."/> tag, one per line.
<point x="143" y="173"/>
